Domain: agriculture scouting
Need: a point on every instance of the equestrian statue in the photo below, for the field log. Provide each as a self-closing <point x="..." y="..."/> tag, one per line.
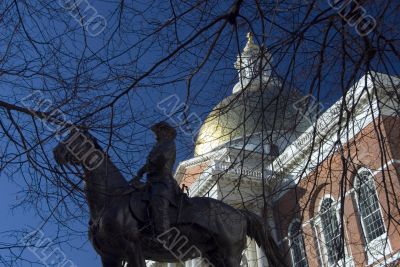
<point x="131" y="222"/>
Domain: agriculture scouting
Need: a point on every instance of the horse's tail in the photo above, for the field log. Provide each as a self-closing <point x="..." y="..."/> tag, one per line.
<point x="258" y="231"/>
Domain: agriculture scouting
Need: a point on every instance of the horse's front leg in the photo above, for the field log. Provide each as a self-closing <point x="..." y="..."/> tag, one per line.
<point x="136" y="258"/>
<point x="109" y="261"/>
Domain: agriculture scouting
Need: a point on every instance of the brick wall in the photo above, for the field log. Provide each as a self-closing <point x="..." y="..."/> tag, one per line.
<point x="376" y="145"/>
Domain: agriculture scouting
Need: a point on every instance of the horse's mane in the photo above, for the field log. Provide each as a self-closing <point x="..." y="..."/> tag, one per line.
<point x="96" y="143"/>
<point x="100" y="148"/>
<point x="93" y="140"/>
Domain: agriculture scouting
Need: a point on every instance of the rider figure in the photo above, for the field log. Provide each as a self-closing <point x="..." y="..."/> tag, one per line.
<point x="158" y="167"/>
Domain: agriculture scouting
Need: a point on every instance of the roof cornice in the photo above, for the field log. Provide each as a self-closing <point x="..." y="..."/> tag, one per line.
<point x="180" y="170"/>
<point x="361" y="94"/>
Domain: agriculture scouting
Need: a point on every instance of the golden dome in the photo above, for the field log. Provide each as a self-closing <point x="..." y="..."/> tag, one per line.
<point x="246" y="113"/>
<point x="251" y="108"/>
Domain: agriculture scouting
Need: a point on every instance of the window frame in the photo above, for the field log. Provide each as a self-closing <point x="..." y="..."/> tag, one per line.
<point x="347" y="260"/>
<point x="373" y="248"/>
<point x="291" y="237"/>
<point x="334" y="211"/>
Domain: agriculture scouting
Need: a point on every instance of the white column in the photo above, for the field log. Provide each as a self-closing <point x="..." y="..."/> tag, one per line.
<point x="251" y="253"/>
<point x="198" y="262"/>
<point x="261" y="258"/>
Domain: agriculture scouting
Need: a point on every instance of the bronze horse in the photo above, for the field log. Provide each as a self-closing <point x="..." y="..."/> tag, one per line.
<point x="216" y="230"/>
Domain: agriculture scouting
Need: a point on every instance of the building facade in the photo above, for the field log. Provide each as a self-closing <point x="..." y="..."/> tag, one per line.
<point x="326" y="182"/>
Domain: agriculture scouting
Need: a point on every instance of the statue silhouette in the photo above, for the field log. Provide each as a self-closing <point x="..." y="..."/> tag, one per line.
<point x="120" y="229"/>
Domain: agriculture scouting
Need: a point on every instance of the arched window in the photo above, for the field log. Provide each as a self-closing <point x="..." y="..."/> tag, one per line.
<point x="367" y="200"/>
<point x="299" y="258"/>
<point x="331" y="232"/>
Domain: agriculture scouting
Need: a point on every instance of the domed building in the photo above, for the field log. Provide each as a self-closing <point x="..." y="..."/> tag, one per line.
<point x="261" y="148"/>
<point x="244" y="132"/>
<point x="259" y="103"/>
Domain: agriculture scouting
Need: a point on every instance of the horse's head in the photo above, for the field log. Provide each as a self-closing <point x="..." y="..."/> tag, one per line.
<point x="79" y="148"/>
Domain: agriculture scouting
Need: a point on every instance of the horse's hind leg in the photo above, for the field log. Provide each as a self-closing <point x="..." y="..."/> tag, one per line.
<point x="137" y="258"/>
<point x="226" y="262"/>
<point x="136" y="262"/>
<point x="227" y="257"/>
<point x="108" y="261"/>
<point x="213" y="260"/>
<point x="218" y="260"/>
<point x="233" y="261"/>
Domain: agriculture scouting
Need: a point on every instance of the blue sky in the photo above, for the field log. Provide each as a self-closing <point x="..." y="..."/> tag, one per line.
<point x="207" y="92"/>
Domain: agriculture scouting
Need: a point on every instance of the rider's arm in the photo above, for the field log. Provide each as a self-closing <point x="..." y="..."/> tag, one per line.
<point x="156" y="158"/>
<point x="142" y="171"/>
<point x="136" y="179"/>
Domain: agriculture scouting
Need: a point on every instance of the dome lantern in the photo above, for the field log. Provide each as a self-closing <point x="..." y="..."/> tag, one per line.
<point x="248" y="64"/>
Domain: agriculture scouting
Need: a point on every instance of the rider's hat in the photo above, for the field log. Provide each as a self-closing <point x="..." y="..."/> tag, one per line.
<point x="164" y="127"/>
